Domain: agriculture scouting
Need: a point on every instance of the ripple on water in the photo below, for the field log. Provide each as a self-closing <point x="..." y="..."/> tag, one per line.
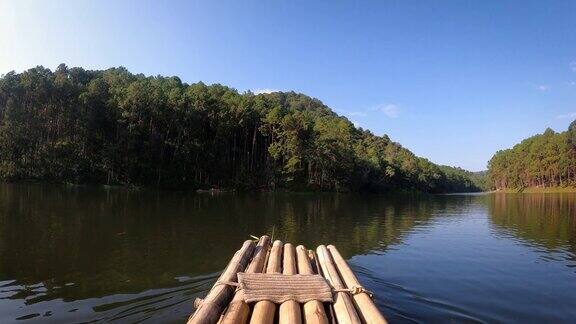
<point x="398" y="302"/>
<point x="156" y="305"/>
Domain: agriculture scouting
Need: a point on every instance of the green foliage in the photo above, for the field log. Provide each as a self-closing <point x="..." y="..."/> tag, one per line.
<point x="114" y="127"/>
<point x="544" y="160"/>
<point x="463" y="180"/>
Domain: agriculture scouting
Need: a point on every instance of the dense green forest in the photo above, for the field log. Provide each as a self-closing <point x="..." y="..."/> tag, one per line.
<point x="114" y="127"/>
<point x="544" y="160"/>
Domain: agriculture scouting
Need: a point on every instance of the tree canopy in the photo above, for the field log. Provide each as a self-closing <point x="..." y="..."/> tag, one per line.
<point x="543" y="160"/>
<point x="115" y="127"/>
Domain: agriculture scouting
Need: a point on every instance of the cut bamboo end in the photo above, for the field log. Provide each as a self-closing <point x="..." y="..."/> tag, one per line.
<point x="289" y="263"/>
<point x="304" y="266"/>
<point x="367" y="310"/>
<point x="238" y="311"/>
<point x="259" y="260"/>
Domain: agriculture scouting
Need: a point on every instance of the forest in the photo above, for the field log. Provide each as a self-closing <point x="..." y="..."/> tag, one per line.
<point x="113" y="127"/>
<point x="544" y="160"/>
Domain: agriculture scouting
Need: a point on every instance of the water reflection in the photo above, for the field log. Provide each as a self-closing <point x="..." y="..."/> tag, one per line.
<point x="547" y="220"/>
<point x="67" y="244"/>
<point x="85" y="254"/>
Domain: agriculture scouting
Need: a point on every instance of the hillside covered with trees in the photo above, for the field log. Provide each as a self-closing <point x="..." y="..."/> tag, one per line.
<point x="544" y="160"/>
<point x="113" y="127"/>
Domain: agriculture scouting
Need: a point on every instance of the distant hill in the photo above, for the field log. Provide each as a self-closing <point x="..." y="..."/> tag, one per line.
<point x="115" y="127"/>
<point x="464" y="180"/>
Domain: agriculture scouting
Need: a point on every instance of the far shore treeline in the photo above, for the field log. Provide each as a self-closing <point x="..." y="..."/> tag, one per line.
<point x="114" y="127"/>
<point x="546" y="160"/>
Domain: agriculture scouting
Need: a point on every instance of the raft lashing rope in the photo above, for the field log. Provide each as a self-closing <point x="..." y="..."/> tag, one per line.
<point x="279" y="288"/>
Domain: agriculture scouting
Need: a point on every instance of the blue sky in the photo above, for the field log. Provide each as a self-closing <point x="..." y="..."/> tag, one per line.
<point x="453" y="81"/>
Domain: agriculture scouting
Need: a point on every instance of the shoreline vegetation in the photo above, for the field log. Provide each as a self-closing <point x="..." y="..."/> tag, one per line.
<point x="218" y="191"/>
<point x="531" y="190"/>
<point x="112" y="127"/>
<point x="542" y="163"/>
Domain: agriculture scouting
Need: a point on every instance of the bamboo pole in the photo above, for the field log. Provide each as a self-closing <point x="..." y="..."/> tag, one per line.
<point x="220" y="294"/>
<point x="290" y="312"/>
<point x="343" y="306"/>
<point x="238" y="311"/>
<point x="313" y="310"/>
<point x="328" y="307"/>
<point x="265" y="310"/>
<point x="368" y="312"/>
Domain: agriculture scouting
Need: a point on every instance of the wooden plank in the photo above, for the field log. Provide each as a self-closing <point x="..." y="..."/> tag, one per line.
<point x="367" y="311"/>
<point x="265" y="310"/>
<point x="220" y="294"/>
<point x="289" y="310"/>
<point x="238" y="311"/>
<point x="314" y="312"/>
<point x="343" y="307"/>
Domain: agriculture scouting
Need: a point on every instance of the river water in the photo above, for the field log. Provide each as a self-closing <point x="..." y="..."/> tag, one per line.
<point x="80" y="254"/>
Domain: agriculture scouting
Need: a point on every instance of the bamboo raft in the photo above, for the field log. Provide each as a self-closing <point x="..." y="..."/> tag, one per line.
<point x="227" y="301"/>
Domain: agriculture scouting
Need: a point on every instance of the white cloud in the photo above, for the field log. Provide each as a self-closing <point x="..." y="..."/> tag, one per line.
<point x="573" y="83"/>
<point x="568" y="115"/>
<point x="265" y="90"/>
<point x="572" y="66"/>
<point x="543" y="87"/>
<point x="390" y="110"/>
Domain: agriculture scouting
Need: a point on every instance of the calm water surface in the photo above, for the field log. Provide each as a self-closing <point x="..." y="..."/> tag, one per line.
<point x="85" y="254"/>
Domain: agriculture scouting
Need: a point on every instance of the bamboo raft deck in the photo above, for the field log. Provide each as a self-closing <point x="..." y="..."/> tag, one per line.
<point x="225" y="302"/>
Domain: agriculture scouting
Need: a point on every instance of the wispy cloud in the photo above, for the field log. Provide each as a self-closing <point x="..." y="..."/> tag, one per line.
<point x="265" y="90"/>
<point x="568" y="115"/>
<point x="543" y="87"/>
<point x="357" y="114"/>
<point x="352" y="113"/>
<point x="390" y="110"/>
<point x="572" y="66"/>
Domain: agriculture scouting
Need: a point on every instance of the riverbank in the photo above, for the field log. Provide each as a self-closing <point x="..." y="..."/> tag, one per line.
<point x="229" y="190"/>
<point x="538" y="190"/>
